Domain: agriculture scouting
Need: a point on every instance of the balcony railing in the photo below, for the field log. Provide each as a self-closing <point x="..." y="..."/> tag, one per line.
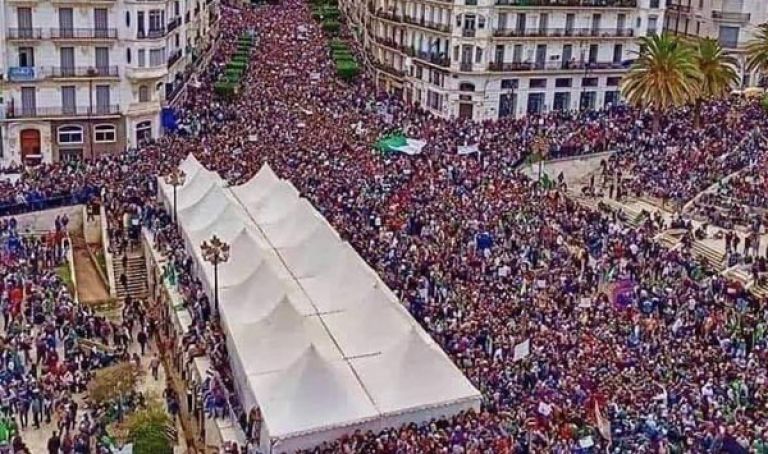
<point x="571" y="3"/>
<point x="175" y="56"/>
<point x="174" y="24"/>
<point x="564" y="32"/>
<point x="436" y="26"/>
<point x="679" y="8"/>
<point x="389" y="69"/>
<point x="468" y="33"/>
<point x="389" y="16"/>
<point x="435" y="59"/>
<point x="83" y="33"/>
<point x="552" y="66"/>
<point x="465" y="67"/>
<point x="729" y="16"/>
<point x="81" y="72"/>
<point x="25" y="33"/>
<point x="59" y="111"/>
<point x="150" y="34"/>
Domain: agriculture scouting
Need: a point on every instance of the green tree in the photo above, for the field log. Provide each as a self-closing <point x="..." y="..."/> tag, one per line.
<point x="113" y="382"/>
<point x="757" y="50"/>
<point x="149" y="429"/>
<point x="717" y="70"/>
<point x="663" y="77"/>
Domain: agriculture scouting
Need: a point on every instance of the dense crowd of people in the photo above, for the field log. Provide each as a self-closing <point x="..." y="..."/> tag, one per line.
<point x="634" y="348"/>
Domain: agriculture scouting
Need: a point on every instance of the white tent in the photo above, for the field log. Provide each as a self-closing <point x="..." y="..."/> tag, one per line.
<point x="414" y="376"/>
<point x="273" y="343"/>
<point x="257" y="187"/>
<point x="310" y="400"/>
<point x="303" y="312"/>
<point x="190" y="166"/>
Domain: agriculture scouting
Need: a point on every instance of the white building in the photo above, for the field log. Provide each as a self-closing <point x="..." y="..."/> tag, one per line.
<point x="732" y="22"/>
<point x="486" y="59"/>
<point x="87" y="77"/>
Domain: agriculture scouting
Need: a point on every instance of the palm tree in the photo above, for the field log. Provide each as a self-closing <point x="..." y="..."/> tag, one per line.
<point x="757" y="50"/>
<point x="664" y="76"/>
<point x="717" y="70"/>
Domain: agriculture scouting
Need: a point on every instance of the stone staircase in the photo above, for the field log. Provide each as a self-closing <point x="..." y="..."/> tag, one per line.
<point x="714" y="258"/>
<point x="136" y="273"/>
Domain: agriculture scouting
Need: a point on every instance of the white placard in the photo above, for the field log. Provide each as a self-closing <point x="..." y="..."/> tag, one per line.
<point x="522" y="350"/>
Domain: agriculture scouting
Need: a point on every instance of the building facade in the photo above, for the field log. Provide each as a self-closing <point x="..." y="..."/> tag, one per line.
<point x="88" y="77"/>
<point x="732" y="22"/>
<point x="489" y="59"/>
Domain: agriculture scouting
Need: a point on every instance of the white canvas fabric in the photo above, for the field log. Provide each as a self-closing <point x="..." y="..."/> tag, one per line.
<point x="319" y="251"/>
<point x="413" y="375"/>
<point x="257" y="187"/>
<point x="276" y="204"/>
<point x="293" y="228"/>
<point x="311" y="395"/>
<point x="195" y="188"/>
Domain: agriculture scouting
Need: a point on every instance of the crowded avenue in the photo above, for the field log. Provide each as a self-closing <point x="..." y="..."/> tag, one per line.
<point x="638" y="282"/>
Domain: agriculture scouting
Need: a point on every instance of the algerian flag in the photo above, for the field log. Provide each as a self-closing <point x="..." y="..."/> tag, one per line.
<point x="399" y="143"/>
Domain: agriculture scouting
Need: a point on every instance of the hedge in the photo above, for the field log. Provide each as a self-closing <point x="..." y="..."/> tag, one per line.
<point x="337" y="44"/>
<point x="227" y="89"/>
<point x="331" y="26"/>
<point x="347" y="69"/>
<point x="236" y="64"/>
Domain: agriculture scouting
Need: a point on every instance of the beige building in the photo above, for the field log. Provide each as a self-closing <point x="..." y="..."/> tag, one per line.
<point x="87" y="77"/>
<point x="488" y="59"/>
<point x="731" y="22"/>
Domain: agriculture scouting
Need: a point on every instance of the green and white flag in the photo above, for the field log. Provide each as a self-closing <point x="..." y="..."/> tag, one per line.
<point x="398" y="143"/>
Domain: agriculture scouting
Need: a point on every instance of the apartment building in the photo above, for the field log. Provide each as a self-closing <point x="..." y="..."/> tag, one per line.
<point x="732" y="22"/>
<point x="489" y="59"/>
<point x="88" y="77"/>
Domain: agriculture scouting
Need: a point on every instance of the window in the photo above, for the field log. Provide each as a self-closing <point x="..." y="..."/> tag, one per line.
<point x="104" y="134"/>
<point x="157" y="57"/>
<point x="466" y="86"/>
<point x="611" y="98"/>
<point x="26" y="57"/>
<point x="24" y="19"/>
<point x="70" y="134"/>
<point x="143" y="131"/>
<point x="142" y="58"/>
<point x="156" y="20"/>
<point x="127" y="19"/>
<point x="433" y="100"/>
<point x="509" y="84"/>
<point x="143" y="93"/>
<point x="618" y="51"/>
<point x="102" y="99"/>
<point x="562" y="101"/>
<point x="29" y="100"/>
<point x="178" y="42"/>
<point x="68" y="99"/>
<point x="652" y="20"/>
<point x="128" y="55"/>
<point x="729" y="36"/>
<point x="589" y="82"/>
<point x="538" y="83"/>
<point x="612" y="81"/>
<point x="478" y="54"/>
<point x="654" y="3"/>
<point x="563" y="83"/>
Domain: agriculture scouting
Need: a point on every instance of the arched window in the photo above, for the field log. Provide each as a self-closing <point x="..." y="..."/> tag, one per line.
<point x="127" y="18"/>
<point x="105" y="133"/>
<point x="128" y="55"/>
<point x="143" y="93"/>
<point x="143" y="131"/>
<point x="70" y="135"/>
<point x="466" y="86"/>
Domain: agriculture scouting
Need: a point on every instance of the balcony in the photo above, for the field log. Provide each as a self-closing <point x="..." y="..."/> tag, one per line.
<point x="150" y="34"/>
<point x="174" y="24"/>
<point x="389" y="16"/>
<point x="435" y="26"/>
<point x="553" y="66"/>
<point x="680" y="9"/>
<point x="149" y="72"/>
<point x="435" y="59"/>
<point x="47" y="112"/>
<point x="569" y="3"/>
<point x="83" y="33"/>
<point x="731" y="16"/>
<point x="25" y="34"/>
<point x="24" y="74"/>
<point x="389" y="70"/>
<point x="175" y="56"/>
<point x="564" y="33"/>
<point x="468" y="33"/>
<point x="81" y="72"/>
<point x="391" y="44"/>
<point x="465" y="67"/>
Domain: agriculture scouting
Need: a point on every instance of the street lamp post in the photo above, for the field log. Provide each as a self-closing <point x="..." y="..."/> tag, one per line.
<point x="215" y="252"/>
<point x="541" y="150"/>
<point x="92" y="72"/>
<point x="176" y="178"/>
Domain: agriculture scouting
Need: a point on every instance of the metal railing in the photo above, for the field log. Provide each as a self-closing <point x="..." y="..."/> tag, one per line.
<point x="465" y="67"/>
<point x="83" y="33"/>
<point x="61" y="111"/>
<point x="679" y="8"/>
<point x="552" y="66"/>
<point x="174" y="24"/>
<point x="468" y="32"/>
<point x="570" y="3"/>
<point x="564" y="32"/>
<point x="436" y="26"/>
<point x="731" y="16"/>
<point x="150" y="34"/>
<point x="81" y="71"/>
<point x="175" y="56"/>
<point x="25" y="33"/>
